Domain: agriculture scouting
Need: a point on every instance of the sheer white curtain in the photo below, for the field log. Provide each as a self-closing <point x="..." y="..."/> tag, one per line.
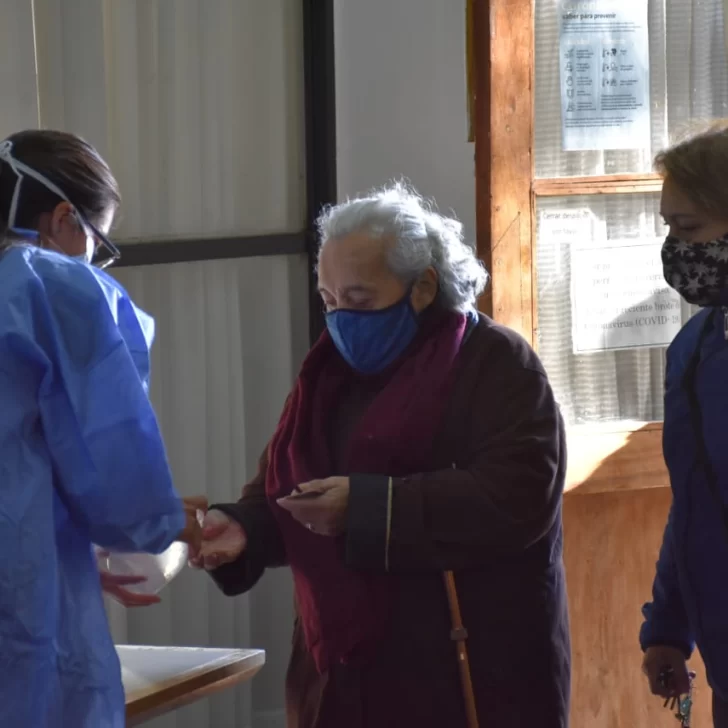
<point x="688" y="82"/>
<point x="198" y="107"/>
<point x="230" y="337"/>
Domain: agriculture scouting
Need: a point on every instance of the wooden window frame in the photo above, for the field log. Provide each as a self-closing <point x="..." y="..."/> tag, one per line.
<point x="609" y="457"/>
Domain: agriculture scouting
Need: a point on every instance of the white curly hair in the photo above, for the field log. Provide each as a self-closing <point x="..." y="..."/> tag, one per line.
<point x="421" y="238"/>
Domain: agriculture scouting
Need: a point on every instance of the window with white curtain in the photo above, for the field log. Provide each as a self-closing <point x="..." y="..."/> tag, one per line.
<point x="196" y="104"/>
<point x="688" y="83"/>
<point x="198" y="107"/>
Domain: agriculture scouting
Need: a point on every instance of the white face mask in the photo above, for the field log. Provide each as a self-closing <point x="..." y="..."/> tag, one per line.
<point x="88" y="256"/>
<point x="85" y="258"/>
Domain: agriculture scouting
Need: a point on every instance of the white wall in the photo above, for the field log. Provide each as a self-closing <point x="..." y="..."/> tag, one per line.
<point x="401" y="98"/>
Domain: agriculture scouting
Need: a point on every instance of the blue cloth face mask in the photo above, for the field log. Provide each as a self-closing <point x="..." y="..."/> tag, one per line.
<point x="370" y="341"/>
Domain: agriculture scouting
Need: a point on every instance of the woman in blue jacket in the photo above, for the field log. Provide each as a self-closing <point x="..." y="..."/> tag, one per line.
<point x="690" y="592"/>
<point x="81" y="457"/>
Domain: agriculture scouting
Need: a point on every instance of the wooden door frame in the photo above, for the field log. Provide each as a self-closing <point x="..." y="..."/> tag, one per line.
<point x="503" y="129"/>
<point x="605" y="457"/>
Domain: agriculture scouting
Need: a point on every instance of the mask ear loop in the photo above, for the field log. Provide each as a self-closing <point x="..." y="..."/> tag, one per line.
<point x="7" y="157"/>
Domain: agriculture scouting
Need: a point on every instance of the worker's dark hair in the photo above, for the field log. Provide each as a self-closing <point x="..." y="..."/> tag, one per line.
<point x="72" y="164"/>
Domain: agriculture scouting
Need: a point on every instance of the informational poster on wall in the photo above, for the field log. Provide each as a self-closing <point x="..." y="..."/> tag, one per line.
<point x="605" y="74"/>
<point x="619" y="297"/>
<point x="558" y="227"/>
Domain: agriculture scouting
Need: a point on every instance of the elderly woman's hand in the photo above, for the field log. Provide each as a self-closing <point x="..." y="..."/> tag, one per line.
<point x="195" y="508"/>
<point x="320" y="505"/>
<point x="224" y="541"/>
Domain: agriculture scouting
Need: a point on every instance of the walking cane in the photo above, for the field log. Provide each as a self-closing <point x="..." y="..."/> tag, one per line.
<point x="459" y="635"/>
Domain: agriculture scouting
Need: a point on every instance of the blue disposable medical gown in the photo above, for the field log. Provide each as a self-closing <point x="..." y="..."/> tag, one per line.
<point x="81" y="462"/>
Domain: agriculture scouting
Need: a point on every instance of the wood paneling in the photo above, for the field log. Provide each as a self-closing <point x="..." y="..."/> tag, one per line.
<point x="603" y="460"/>
<point x="611" y="545"/>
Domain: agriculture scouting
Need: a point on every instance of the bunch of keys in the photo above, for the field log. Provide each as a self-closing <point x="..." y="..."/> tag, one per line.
<point x="683" y="704"/>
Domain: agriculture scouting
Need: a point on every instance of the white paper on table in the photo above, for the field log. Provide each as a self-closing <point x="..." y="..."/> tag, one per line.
<point x="149" y="669"/>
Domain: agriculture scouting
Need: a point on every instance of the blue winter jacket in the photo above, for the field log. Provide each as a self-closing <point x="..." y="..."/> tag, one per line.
<point x="690" y="591"/>
<point x="81" y="462"/>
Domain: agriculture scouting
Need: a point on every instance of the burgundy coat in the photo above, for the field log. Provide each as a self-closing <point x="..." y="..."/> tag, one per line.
<point x="492" y="514"/>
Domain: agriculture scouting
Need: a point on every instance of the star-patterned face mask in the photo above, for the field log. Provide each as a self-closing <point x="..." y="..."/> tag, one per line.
<point x="697" y="271"/>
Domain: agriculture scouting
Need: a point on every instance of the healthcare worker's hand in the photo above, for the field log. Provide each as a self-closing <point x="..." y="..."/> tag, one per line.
<point x="191" y="534"/>
<point x="113" y="585"/>
<point x="669" y="662"/>
<point x="320" y="505"/>
<point x="223" y="541"/>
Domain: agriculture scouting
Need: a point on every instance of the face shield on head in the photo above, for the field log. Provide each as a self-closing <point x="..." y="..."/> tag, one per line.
<point x="93" y="235"/>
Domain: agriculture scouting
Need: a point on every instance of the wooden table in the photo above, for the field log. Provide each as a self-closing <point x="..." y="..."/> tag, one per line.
<point x="158" y="680"/>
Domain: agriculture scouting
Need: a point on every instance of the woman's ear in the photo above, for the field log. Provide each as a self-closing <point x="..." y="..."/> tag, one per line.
<point x="60" y="230"/>
<point x="425" y="289"/>
<point x="62" y="221"/>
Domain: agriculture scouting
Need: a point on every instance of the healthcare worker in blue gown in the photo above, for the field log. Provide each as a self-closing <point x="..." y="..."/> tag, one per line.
<point x="81" y="457"/>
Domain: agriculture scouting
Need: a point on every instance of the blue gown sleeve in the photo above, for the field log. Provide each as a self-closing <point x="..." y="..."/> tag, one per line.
<point x="666" y="620"/>
<point x="107" y="452"/>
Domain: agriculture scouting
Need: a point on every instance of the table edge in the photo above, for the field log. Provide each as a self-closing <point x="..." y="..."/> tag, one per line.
<point x="195" y="687"/>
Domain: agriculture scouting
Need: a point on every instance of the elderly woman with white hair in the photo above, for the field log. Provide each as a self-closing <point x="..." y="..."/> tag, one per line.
<point x="420" y="448"/>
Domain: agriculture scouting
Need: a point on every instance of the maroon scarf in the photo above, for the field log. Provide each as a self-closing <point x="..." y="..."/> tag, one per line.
<point x="343" y="612"/>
